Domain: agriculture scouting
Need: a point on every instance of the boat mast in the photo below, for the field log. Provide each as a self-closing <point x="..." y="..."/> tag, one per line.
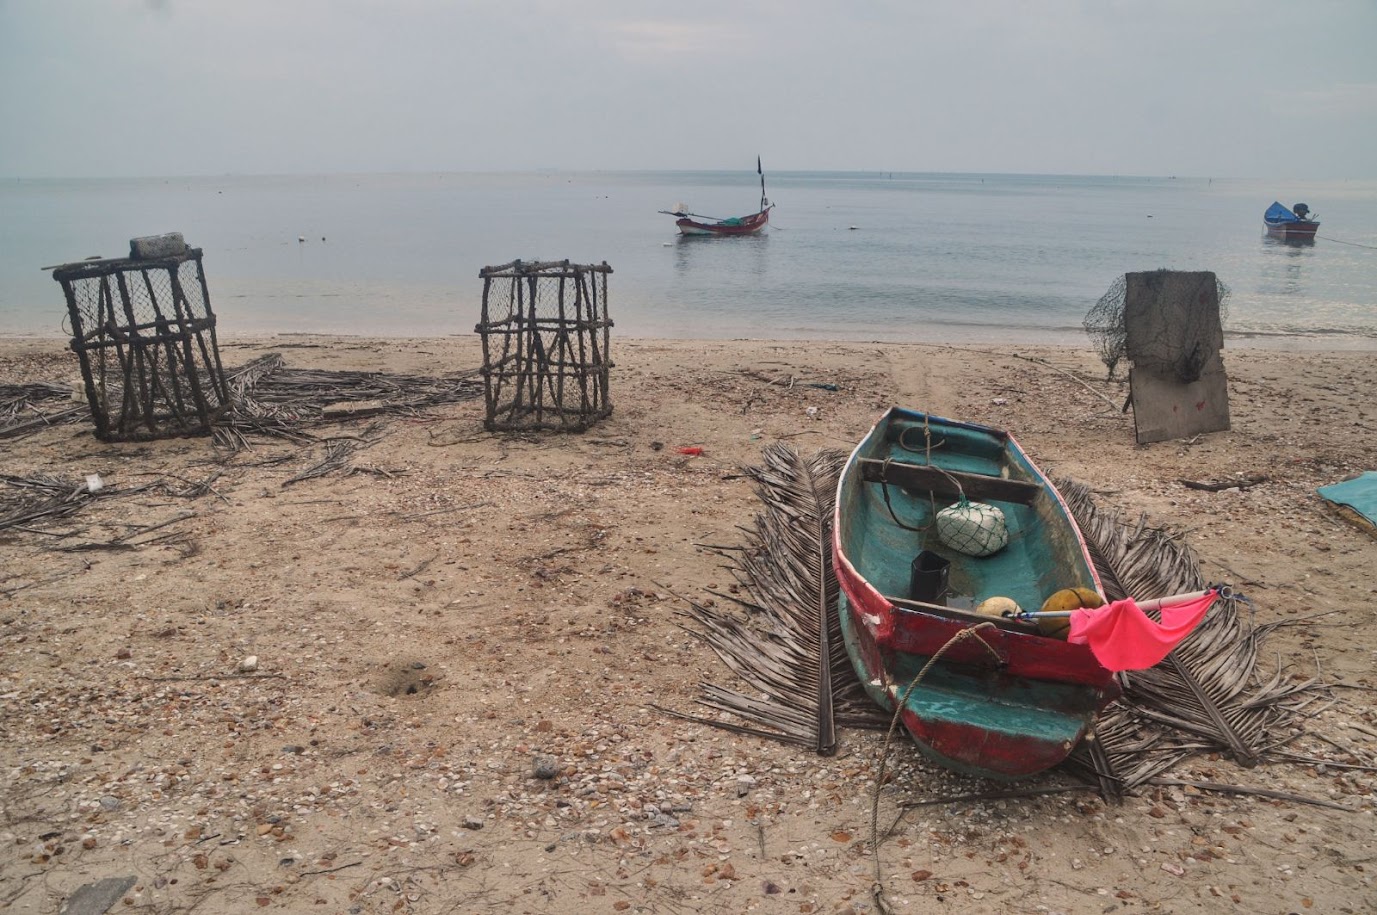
<point x="760" y="171"/>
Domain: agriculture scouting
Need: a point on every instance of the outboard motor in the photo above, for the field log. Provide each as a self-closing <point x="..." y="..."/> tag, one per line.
<point x="1301" y="210"/>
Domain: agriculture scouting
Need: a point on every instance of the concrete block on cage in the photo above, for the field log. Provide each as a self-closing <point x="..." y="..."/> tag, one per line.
<point x="150" y="247"/>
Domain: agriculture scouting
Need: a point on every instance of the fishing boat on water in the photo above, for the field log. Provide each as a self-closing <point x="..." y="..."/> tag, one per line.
<point x="697" y="224"/>
<point x="1012" y="700"/>
<point x="1294" y="224"/>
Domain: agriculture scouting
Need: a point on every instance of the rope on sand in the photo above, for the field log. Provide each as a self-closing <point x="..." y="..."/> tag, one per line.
<point x="877" y="889"/>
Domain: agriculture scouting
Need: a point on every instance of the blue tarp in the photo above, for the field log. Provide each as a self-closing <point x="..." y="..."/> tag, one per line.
<point x="1359" y="494"/>
<point x="1276" y="213"/>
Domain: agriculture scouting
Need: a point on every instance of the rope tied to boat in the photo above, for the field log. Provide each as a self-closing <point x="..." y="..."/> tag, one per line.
<point x="1353" y="244"/>
<point x="877" y="889"/>
<point x="928" y="443"/>
<point x="928" y="446"/>
<point x="884" y="491"/>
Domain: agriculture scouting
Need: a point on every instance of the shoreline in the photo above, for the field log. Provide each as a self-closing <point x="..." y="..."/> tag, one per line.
<point x="1310" y="342"/>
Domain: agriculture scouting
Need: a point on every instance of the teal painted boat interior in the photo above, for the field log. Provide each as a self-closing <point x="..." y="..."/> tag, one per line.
<point x="1042" y="556"/>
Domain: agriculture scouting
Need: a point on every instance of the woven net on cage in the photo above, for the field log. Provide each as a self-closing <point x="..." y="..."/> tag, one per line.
<point x="1107" y="329"/>
<point x="545" y="337"/>
<point x="145" y="335"/>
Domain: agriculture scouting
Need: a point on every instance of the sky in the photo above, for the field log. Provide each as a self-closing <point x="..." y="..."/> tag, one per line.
<point x="1218" y="88"/>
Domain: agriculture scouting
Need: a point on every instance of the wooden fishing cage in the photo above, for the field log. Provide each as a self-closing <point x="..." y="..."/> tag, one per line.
<point x="144" y="332"/>
<point x="545" y="337"/>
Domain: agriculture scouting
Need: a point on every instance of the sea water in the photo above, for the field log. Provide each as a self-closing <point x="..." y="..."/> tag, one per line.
<point x="848" y="256"/>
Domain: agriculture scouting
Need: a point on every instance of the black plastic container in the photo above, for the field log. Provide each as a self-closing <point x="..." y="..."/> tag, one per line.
<point x="928" y="580"/>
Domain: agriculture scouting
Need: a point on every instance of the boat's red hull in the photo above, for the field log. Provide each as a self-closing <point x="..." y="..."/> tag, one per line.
<point x="1293" y="229"/>
<point x="747" y="225"/>
<point x="882" y="635"/>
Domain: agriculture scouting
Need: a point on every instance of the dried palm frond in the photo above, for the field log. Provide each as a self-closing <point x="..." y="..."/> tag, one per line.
<point x="271" y="400"/>
<point x="788" y="645"/>
<point x="1206" y="695"/>
<point x="29" y="500"/>
<point x="27" y="408"/>
<point x="338" y="451"/>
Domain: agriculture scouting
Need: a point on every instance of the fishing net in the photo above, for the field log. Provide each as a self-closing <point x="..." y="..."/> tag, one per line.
<point x="973" y="528"/>
<point x="144" y="332"/>
<point x="1180" y="350"/>
<point x="545" y="335"/>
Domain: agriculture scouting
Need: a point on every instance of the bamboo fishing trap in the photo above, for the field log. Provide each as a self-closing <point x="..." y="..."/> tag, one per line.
<point x="545" y="337"/>
<point x="143" y="330"/>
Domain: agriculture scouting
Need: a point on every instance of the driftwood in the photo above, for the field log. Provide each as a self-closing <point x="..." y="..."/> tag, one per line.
<point x="1247" y="482"/>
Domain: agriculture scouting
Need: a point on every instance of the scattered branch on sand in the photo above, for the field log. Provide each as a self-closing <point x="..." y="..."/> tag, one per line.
<point x="411" y="517"/>
<point x="1079" y="381"/>
<point x="338" y="451"/>
<point x="1246" y="482"/>
<point x="214" y="677"/>
<point x="330" y="870"/>
<point x="9" y="592"/>
<point x="1255" y="792"/>
<point x="997" y="795"/>
<point x="153" y="527"/>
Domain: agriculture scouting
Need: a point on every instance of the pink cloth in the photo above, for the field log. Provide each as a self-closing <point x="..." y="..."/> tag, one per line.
<point x="1123" y="638"/>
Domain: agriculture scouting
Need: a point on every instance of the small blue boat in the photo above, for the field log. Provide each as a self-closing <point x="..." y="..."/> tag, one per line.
<point x="1290" y="223"/>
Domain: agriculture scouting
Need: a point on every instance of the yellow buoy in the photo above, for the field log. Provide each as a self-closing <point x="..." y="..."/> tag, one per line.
<point x="1066" y="599"/>
<point x="997" y="606"/>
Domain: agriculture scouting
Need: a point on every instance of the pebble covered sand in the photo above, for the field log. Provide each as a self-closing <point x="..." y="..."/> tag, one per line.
<point x="435" y="680"/>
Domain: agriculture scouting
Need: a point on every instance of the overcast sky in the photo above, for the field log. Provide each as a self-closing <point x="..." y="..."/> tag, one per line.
<point x="1228" y="88"/>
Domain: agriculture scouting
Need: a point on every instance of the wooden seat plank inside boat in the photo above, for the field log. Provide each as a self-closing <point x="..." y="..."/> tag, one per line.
<point x="949" y="483"/>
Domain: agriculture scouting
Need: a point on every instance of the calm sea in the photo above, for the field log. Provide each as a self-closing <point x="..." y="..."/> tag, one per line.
<point x="884" y="256"/>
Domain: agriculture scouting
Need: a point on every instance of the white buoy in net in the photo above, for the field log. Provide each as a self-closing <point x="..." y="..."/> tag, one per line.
<point x="973" y="528"/>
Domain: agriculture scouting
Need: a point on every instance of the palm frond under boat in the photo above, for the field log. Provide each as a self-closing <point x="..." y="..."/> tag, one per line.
<point x="782" y="642"/>
<point x="787" y="646"/>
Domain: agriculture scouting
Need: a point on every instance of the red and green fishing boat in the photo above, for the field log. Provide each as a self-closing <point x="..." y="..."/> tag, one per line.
<point x="697" y="224"/>
<point x="1007" y="701"/>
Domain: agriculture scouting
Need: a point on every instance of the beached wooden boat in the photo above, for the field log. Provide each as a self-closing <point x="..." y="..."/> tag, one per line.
<point x="1294" y="224"/>
<point x="1018" y="703"/>
<point x="696" y="224"/>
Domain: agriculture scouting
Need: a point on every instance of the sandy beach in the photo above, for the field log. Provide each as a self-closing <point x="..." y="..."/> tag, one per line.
<point x="461" y="637"/>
